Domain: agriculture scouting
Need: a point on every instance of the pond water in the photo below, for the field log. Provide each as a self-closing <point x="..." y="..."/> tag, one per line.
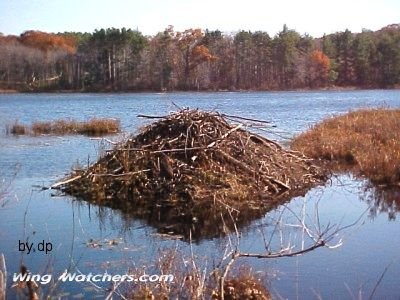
<point x="370" y="246"/>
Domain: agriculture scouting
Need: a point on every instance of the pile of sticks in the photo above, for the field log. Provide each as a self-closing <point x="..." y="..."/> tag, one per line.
<point x="191" y="161"/>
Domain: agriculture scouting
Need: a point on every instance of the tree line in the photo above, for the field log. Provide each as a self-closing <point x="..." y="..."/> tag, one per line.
<point x="126" y="60"/>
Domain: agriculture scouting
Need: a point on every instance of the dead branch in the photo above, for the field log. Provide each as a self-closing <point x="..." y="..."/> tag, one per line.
<point x="56" y="185"/>
<point x="122" y="175"/>
<point x="151" y="117"/>
<point x="246" y="119"/>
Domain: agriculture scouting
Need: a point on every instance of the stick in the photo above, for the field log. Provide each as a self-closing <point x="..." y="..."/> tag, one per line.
<point x="123" y="174"/>
<point x="151" y="117"/>
<point x="284" y="253"/>
<point x="56" y="185"/>
<point x="232" y="130"/>
<point x="236" y="162"/>
<point x="265" y="178"/>
<point x="129" y="149"/>
<point x="179" y="150"/>
<point x="256" y="138"/>
<point x="278" y="182"/>
<point x="247" y="119"/>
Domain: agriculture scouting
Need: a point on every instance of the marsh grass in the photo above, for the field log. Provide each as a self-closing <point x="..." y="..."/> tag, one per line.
<point x="97" y="127"/>
<point x="192" y="281"/>
<point x="92" y="127"/>
<point x="16" y="129"/>
<point x="366" y="141"/>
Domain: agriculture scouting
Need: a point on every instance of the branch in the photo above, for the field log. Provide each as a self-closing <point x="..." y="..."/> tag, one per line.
<point x="283" y="253"/>
<point x="56" y="185"/>
<point x="247" y="119"/>
<point x="151" y="117"/>
<point x="123" y="174"/>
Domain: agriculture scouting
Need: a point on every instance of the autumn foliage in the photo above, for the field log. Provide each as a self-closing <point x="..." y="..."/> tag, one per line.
<point x="48" y="41"/>
<point x="114" y="59"/>
<point x="320" y="66"/>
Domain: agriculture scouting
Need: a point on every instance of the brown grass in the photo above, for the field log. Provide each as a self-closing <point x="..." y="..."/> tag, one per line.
<point x="92" y="127"/>
<point x="41" y="128"/>
<point x="366" y="141"/>
<point x="96" y="127"/>
<point x="192" y="282"/>
<point x="16" y="129"/>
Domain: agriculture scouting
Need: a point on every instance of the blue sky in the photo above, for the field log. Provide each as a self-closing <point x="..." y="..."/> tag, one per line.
<point x="307" y="16"/>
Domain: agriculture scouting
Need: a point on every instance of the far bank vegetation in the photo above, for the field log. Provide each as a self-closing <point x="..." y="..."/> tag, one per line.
<point x="113" y="59"/>
<point x="366" y="141"/>
<point x="91" y="127"/>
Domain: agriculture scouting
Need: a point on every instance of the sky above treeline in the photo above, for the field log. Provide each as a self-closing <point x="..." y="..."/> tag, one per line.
<point x="151" y="16"/>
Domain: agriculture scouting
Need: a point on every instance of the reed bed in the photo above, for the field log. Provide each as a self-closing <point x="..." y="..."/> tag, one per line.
<point x="16" y="129"/>
<point x="365" y="141"/>
<point x="91" y="127"/>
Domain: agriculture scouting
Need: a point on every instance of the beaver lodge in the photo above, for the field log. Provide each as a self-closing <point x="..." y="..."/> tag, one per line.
<point x="195" y="175"/>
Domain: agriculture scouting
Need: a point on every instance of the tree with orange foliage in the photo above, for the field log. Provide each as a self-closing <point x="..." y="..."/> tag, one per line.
<point x="194" y="53"/>
<point x="319" y="69"/>
<point x="48" y="41"/>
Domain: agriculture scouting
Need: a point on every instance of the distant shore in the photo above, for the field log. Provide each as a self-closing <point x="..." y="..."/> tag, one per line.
<point x="8" y="91"/>
<point x="110" y="91"/>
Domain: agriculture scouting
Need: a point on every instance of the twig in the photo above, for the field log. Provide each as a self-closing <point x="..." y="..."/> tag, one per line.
<point x="179" y="150"/>
<point x="247" y="119"/>
<point x="114" y="288"/>
<point x="151" y="117"/>
<point x="379" y="280"/>
<point x="284" y="252"/>
<point x="278" y="182"/>
<point x="123" y="174"/>
<point x="226" y="270"/>
<point x="56" y="185"/>
<point x="230" y="131"/>
<point x="256" y="138"/>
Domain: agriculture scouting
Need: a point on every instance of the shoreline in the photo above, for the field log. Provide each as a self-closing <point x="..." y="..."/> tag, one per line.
<point x="326" y="89"/>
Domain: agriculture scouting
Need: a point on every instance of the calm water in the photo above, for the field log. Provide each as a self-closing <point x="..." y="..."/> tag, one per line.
<point x="353" y="269"/>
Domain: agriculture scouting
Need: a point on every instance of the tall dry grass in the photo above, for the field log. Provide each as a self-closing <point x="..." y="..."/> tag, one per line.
<point x="366" y="141"/>
<point x="98" y="126"/>
<point x="92" y="127"/>
<point x="193" y="282"/>
<point x="16" y="129"/>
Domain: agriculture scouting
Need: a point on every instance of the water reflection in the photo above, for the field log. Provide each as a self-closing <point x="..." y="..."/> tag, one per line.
<point x="382" y="200"/>
<point x="210" y="219"/>
<point x="192" y="222"/>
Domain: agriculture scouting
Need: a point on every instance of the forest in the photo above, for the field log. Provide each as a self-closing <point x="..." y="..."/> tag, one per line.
<point x="125" y="60"/>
